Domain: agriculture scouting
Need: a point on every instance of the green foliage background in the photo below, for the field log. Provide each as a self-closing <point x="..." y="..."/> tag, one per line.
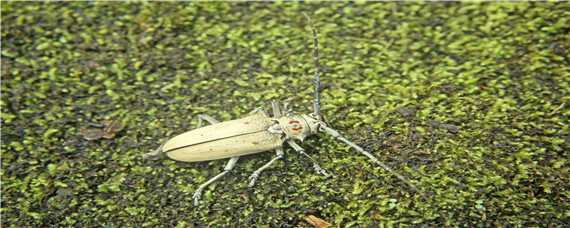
<point x="468" y="100"/>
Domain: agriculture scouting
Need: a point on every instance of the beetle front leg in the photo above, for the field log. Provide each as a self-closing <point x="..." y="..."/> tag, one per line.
<point x="229" y="166"/>
<point x="300" y="149"/>
<point x="255" y="174"/>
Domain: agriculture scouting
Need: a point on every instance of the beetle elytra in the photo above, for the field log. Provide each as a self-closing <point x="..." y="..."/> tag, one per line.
<point x="255" y="133"/>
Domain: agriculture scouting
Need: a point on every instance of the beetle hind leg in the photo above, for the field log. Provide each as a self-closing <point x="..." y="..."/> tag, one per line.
<point x="207" y="118"/>
<point x="229" y="166"/>
<point x="255" y="174"/>
<point x="154" y="153"/>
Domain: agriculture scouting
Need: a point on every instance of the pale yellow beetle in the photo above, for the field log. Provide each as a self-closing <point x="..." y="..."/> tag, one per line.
<point x="256" y="133"/>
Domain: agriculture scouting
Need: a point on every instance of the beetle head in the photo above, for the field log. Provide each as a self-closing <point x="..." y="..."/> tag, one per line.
<point x="298" y="126"/>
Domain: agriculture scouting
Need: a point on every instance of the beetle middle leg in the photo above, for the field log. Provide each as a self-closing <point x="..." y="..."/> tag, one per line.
<point x="229" y="166"/>
<point x="255" y="174"/>
<point x="276" y="114"/>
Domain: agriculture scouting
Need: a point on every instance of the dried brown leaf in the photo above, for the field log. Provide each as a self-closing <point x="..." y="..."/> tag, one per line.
<point x="111" y="127"/>
<point x="317" y="222"/>
<point x="91" y="133"/>
<point x="109" y="135"/>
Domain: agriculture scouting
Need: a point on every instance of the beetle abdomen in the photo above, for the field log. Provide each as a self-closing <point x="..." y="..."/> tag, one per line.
<point x="228" y="147"/>
<point x="243" y="136"/>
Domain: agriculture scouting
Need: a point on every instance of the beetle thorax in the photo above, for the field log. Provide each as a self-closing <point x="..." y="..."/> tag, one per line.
<point x="297" y="127"/>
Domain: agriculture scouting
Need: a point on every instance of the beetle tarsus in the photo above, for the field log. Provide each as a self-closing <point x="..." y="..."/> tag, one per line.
<point x="253" y="179"/>
<point x="196" y="196"/>
<point x="320" y="170"/>
<point x="229" y="166"/>
<point x="257" y="172"/>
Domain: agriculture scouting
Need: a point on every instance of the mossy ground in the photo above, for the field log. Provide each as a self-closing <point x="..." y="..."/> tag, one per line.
<point x="470" y="101"/>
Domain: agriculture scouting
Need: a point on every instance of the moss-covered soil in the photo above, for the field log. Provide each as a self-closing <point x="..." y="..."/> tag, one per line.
<point x="469" y="101"/>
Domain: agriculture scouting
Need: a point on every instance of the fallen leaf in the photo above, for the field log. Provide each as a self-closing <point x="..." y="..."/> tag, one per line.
<point x="109" y="130"/>
<point x="108" y="135"/>
<point x="91" y="133"/>
<point x="317" y="222"/>
<point x="112" y="125"/>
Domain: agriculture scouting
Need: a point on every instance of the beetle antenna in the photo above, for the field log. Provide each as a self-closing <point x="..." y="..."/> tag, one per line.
<point x="317" y="100"/>
<point x="337" y="135"/>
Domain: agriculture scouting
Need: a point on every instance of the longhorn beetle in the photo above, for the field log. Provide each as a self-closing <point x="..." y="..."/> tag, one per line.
<point x="255" y="133"/>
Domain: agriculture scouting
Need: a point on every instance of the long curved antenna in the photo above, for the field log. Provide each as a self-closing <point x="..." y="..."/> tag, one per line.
<point x="334" y="133"/>
<point x="317" y="101"/>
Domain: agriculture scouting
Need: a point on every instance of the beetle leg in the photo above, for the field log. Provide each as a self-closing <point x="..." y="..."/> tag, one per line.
<point x="286" y="109"/>
<point x="154" y="153"/>
<point x="256" y="110"/>
<point x="229" y="166"/>
<point x="255" y="174"/>
<point x="207" y="118"/>
<point x="276" y="110"/>
<point x="302" y="152"/>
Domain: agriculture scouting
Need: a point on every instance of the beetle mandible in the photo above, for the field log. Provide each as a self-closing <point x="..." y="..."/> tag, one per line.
<point x="255" y="133"/>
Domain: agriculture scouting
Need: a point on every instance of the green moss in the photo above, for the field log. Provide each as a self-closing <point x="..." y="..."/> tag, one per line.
<point x="467" y="100"/>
